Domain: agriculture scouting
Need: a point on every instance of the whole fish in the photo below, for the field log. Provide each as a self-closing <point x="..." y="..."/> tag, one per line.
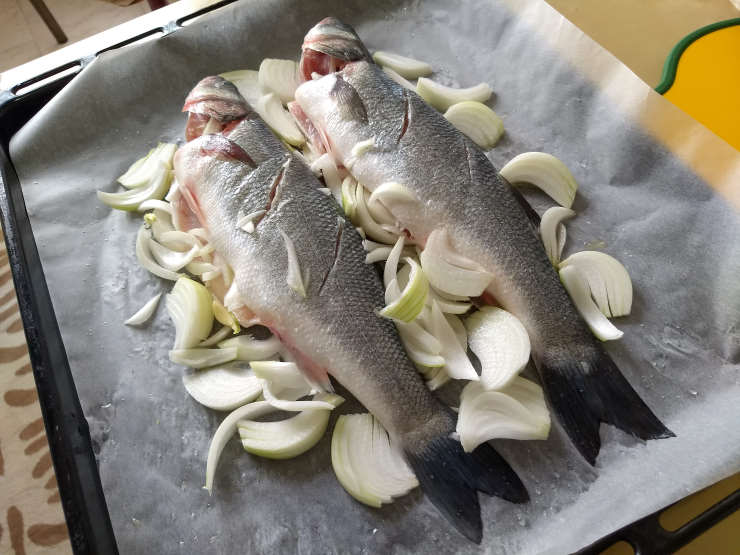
<point x="460" y="192"/>
<point x="330" y="326"/>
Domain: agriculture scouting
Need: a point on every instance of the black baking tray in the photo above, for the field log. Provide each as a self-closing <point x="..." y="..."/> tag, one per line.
<point x="81" y="492"/>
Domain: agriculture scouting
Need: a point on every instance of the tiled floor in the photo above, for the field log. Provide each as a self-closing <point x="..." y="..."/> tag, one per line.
<point x="24" y="36"/>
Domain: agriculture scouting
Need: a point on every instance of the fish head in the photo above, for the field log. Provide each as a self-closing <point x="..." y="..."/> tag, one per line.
<point x="329" y="46"/>
<point x="213" y="99"/>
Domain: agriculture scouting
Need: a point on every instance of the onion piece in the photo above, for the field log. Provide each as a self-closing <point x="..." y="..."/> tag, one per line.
<point x="156" y="204"/>
<point x="325" y="166"/>
<point x="516" y="412"/>
<point x="220" y="335"/>
<point x="412" y="299"/>
<point x="417" y="336"/>
<point x="144" y="256"/>
<point x="283" y="383"/>
<point x="552" y="231"/>
<point x="223" y="316"/>
<point x="447" y="271"/>
<point x="447" y="306"/>
<point x="143" y="170"/>
<point x="189" y="306"/>
<point x="406" y="67"/>
<point x="155" y="188"/>
<point x="387" y="196"/>
<point x="246" y="223"/>
<point x="442" y="97"/>
<point x="545" y="172"/>
<point x="406" y="84"/>
<point x="247" y="82"/>
<point x="223" y="388"/>
<point x="477" y="121"/>
<point x="226" y="429"/>
<point x="500" y="342"/>
<point x="459" y="328"/>
<point x="280" y="77"/>
<point x="367" y="464"/>
<point x="607" y="278"/>
<point x="580" y="293"/>
<point x="437" y="378"/>
<point x="349" y="206"/>
<point x="279" y="119"/>
<point x="172" y="260"/>
<point x="294" y="278"/>
<point x="199" y="268"/>
<point x="391" y="265"/>
<point x="457" y="363"/>
<point x="179" y="240"/>
<point x="363" y="219"/>
<point x="287" y="438"/>
<point x="251" y="349"/>
<point x="202" y="358"/>
<point x="145" y="312"/>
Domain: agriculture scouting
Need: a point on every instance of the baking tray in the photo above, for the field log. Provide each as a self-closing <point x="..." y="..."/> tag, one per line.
<point x="81" y="492"/>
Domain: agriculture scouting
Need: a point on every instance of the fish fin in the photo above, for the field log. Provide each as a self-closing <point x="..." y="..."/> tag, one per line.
<point x="585" y="393"/>
<point x="450" y="478"/>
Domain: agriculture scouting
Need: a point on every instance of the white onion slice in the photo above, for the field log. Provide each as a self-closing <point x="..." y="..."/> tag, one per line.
<point x="144" y="256"/>
<point x="145" y="312"/>
<point x="388" y="196"/>
<point x="457" y="363"/>
<point x="279" y="119"/>
<point x="448" y="306"/>
<point x="411" y="300"/>
<point x="580" y="293"/>
<point x="223" y="388"/>
<point x="552" y="231"/>
<point x="143" y="170"/>
<point x="247" y="81"/>
<point x="406" y="67"/>
<point x="224" y="317"/>
<point x="405" y="83"/>
<point x="459" y="328"/>
<point x="202" y="358"/>
<point x="545" y="172"/>
<point x="448" y="271"/>
<point x="325" y="166"/>
<point x="412" y="333"/>
<point x="515" y="412"/>
<point x="155" y="188"/>
<point x="172" y="260"/>
<point x="287" y="438"/>
<point x="283" y="383"/>
<point x="608" y="280"/>
<point x="373" y="229"/>
<point x="348" y="203"/>
<point x="220" y="335"/>
<point x="250" y="349"/>
<point x="198" y="268"/>
<point x="226" y="429"/>
<point x="500" y="342"/>
<point x="280" y="77"/>
<point x="367" y="464"/>
<point x="246" y="223"/>
<point x="294" y="278"/>
<point x="189" y="305"/>
<point x="156" y="204"/>
<point x="442" y="97"/>
<point x="477" y="121"/>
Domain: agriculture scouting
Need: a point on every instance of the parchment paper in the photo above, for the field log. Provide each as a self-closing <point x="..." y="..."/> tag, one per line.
<point x="637" y="201"/>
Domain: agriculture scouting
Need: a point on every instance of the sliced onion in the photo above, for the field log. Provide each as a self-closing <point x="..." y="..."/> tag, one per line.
<point x="279" y="119"/>
<point x="325" y="166"/>
<point x="155" y="188"/>
<point x="225" y="317"/>
<point x="287" y="438"/>
<point x="144" y="256"/>
<point x="144" y="170"/>
<point x="362" y="218"/>
<point x="437" y="378"/>
<point x="412" y="299"/>
<point x="172" y="260"/>
<point x="369" y="467"/>
<point x="515" y="412"/>
<point x="552" y="231"/>
<point x="246" y="223"/>
<point x="189" y="306"/>
<point x="442" y="97"/>
<point x="224" y="387"/>
<point x="226" y="429"/>
<point x="294" y="277"/>
<point x="349" y="205"/>
<point x="251" y="349"/>
<point x="545" y="172"/>
<point x="198" y="268"/>
<point x="202" y="358"/>
<point x="247" y="82"/>
<point x="457" y="363"/>
<point x="447" y="306"/>
<point x="280" y="77"/>
<point x="386" y="197"/>
<point x="178" y="240"/>
<point x="500" y="342"/>
<point x="145" y="312"/>
<point x="608" y="280"/>
<point x="156" y="204"/>
<point x="580" y="293"/>
<point x="406" y="67"/>
<point x="447" y="271"/>
<point x="477" y="121"/>
<point x="459" y="328"/>
<point x="406" y="84"/>
<point x="283" y="383"/>
<point x="414" y="334"/>
<point x="220" y="335"/>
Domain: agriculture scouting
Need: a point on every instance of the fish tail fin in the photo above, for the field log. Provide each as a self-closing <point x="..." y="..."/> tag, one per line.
<point x="587" y="390"/>
<point x="451" y="479"/>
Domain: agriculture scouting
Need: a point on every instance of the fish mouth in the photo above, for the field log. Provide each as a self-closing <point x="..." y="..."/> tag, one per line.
<point x="329" y="46"/>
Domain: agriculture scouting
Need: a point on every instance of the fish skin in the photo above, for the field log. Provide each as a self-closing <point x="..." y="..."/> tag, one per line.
<point x="335" y="328"/>
<point x="459" y="190"/>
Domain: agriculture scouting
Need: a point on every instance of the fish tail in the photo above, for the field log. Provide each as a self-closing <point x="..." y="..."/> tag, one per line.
<point x="451" y="478"/>
<point x="589" y="389"/>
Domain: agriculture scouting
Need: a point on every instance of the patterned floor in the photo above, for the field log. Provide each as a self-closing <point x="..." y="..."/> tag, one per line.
<point x="31" y="518"/>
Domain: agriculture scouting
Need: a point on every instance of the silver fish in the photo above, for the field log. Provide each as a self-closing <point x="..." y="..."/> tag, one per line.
<point x="486" y="220"/>
<point x="334" y="328"/>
